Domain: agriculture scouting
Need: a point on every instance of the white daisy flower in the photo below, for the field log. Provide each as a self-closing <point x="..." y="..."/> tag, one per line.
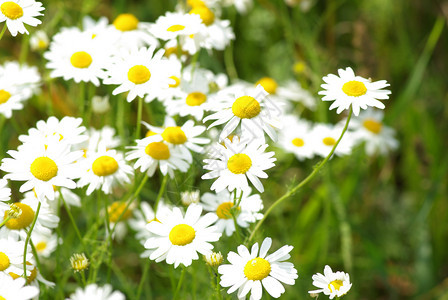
<point x="248" y="271"/>
<point x="93" y="291"/>
<point x="139" y="71"/>
<point x="221" y="204"/>
<point x="325" y="136"/>
<point x="43" y="166"/>
<point x="296" y="137"/>
<point x="132" y="32"/>
<point x="252" y="108"/>
<point x="368" y="128"/>
<point x="177" y="24"/>
<point x="178" y="238"/>
<point x="100" y="105"/>
<point x="5" y="191"/>
<point x="104" y="169"/>
<point x="355" y="91"/>
<point x="26" y="79"/>
<point x="11" y="98"/>
<point x="16" y="13"/>
<point x="39" y="41"/>
<point x="45" y="242"/>
<point x="144" y="215"/>
<point x="11" y="254"/>
<point x="235" y="162"/>
<point x="152" y="152"/>
<point x="105" y="136"/>
<point x="16" y="289"/>
<point x="333" y="284"/>
<point x="118" y="218"/>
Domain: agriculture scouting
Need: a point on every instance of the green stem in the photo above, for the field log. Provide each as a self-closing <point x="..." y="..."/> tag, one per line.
<point x="72" y="220"/>
<point x="28" y="237"/>
<point x="139" y="117"/>
<point x="24" y="49"/>
<point x="5" y="221"/>
<point x="142" y="280"/>
<point x="3" y="31"/>
<point x="33" y="249"/>
<point x="229" y="62"/>
<point x="83" y="278"/>
<point x="303" y="182"/>
<point x="82" y="98"/>
<point x="161" y="191"/>
<point x="218" y="287"/>
<point x="179" y="284"/>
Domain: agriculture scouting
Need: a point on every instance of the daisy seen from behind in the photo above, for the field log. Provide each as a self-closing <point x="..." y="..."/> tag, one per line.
<point x="177" y="238"/>
<point x="347" y="90"/>
<point x="332" y="284"/>
<point x="16" y="13"/>
<point x="248" y="271"/>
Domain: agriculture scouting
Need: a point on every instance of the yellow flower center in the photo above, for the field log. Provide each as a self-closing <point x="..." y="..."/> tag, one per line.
<point x="182" y="235"/>
<point x="1" y="298"/>
<point x="223" y="210"/>
<point x="196" y="99"/>
<point x="269" y="84"/>
<point x="150" y="133"/>
<point x="207" y="16"/>
<point x="126" y="22"/>
<point x="4" y="261"/>
<point x="257" y="269"/>
<point x="81" y="59"/>
<point x="24" y="220"/>
<point x="4" y="96"/>
<point x="174" y="135"/>
<point x="174" y="50"/>
<point x="372" y="125"/>
<point x="174" y="28"/>
<point x="177" y="80"/>
<point x="41" y="246"/>
<point x="354" y="88"/>
<point x="104" y="166"/>
<point x="239" y="163"/>
<point x="329" y="141"/>
<point x="194" y="3"/>
<point x="336" y="285"/>
<point x="246" y="107"/>
<point x="116" y="209"/>
<point x="44" y="168"/>
<point x="298" y="142"/>
<point x="30" y="278"/>
<point x="139" y="74"/>
<point x="158" y="150"/>
<point x="11" y="10"/>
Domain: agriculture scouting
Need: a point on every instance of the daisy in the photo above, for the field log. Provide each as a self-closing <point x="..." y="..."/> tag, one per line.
<point x="325" y="136"/>
<point x="333" y="284"/>
<point x="45" y="242"/>
<point x="39" y="41"/>
<point x="5" y="191"/>
<point x="16" y="289"/>
<point x="189" y="197"/>
<point x="178" y="238"/>
<point x="132" y="32"/>
<point x="369" y="128"/>
<point x="252" y="108"/>
<point x="93" y="291"/>
<point x="173" y="25"/>
<point x="139" y="71"/>
<point x="296" y="137"/>
<point x="223" y="202"/>
<point x="235" y="162"/>
<point x="10" y="99"/>
<point x="42" y="166"/>
<point x="26" y="79"/>
<point x="11" y="254"/>
<point x="16" y="13"/>
<point x="105" y="136"/>
<point x="152" y="152"/>
<point x="248" y="271"/>
<point x="355" y="91"/>
<point x="118" y="218"/>
<point x="104" y="169"/>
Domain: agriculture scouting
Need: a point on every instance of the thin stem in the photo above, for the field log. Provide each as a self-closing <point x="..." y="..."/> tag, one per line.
<point x="3" y="31"/>
<point x="83" y="278"/>
<point x="33" y="249"/>
<point x="72" y="220"/>
<point x="142" y="280"/>
<point x="303" y="182"/>
<point x="139" y="117"/>
<point x="218" y="287"/>
<point x="24" y="49"/>
<point x="179" y="284"/>
<point x="28" y="236"/>
<point x="82" y="98"/>
<point x="5" y="221"/>
<point x="161" y="191"/>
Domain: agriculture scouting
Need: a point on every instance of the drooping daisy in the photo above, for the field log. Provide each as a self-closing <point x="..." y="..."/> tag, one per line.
<point x="93" y="291"/>
<point x="42" y="165"/>
<point x="369" y="128"/>
<point x="250" y="107"/>
<point x="5" y="191"/>
<point x="248" y="271"/>
<point x="235" y="162"/>
<point x="152" y="152"/>
<point x="333" y="284"/>
<point x="104" y="169"/>
<point x="325" y="136"/>
<point x="139" y="72"/>
<point x="173" y="25"/>
<point x="11" y="254"/>
<point x="296" y="137"/>
<point x="45" y="242"/>
<point x="178" y="238"/>
<point x="355" y="91"/>
<point x="16" y="13"/>
<point x="16" y="289"/>
<point x="221" y="204"/>
<point x="25" y="78"/>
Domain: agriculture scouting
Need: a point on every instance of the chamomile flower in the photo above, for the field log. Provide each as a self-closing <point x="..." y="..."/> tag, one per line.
<point x="173" y="25"/>
<point x="16" y="13"/>
<point x="11" y="254"/>
<point x="42" y="165"/>
<point x="144" y="215"/>
<point x="355" y="91"/>
<point x="119" y="213"/>
<point x="132" y="32"/>
<point x="333" y="284"/>
<point x="369" y="128"/>
<point x="252" y="109"/>
<point x="249" y="271"/>
<point x="178" y="238"/>
<point x="139" y="72"/>
<point x="105" y="136"/>
<point x="5" y="191"/>
<point x="235" y="162"/>
<point x="10" y="99"/>
<point x="325" y="136"/>
<point x="93" y="291"/>
<point x="39" y="41"/>
<point x="152" y="152"/>
<point x="45" y="242"/>
<point x="16" y="289"/>
<point x="296" y="137"/>
<point x="25" y="78"/>
<point x="104" y="169"/>
<point x="248" y="211"/>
